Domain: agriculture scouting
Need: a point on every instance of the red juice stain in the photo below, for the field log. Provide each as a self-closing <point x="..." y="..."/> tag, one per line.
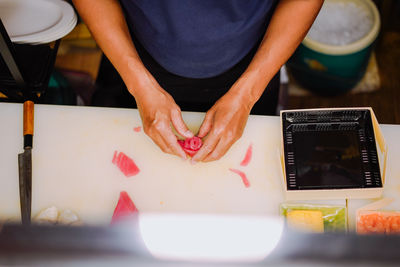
<point x="242" y="175"/>
<point x="137" y="129"/>
<point x="248" y="155"/>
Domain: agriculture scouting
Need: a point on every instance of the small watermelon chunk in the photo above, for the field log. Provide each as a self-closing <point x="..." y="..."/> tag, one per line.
<point x="125" y="164"/>
<point x="125" y="208"/>
<point x="191" y="145"/>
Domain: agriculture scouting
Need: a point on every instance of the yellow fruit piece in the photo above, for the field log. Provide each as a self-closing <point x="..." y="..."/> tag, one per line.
<point x="306" y="220"/>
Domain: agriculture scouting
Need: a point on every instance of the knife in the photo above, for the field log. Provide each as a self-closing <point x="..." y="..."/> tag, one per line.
<point x="25" y="164"/>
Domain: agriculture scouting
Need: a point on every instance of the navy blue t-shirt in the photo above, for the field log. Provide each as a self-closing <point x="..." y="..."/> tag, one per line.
<point x="198" y="38"/>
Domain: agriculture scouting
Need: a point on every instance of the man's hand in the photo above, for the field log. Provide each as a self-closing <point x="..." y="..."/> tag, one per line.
<point x="223" y="125"/>
<point x="158" y="110"/>
<point x="159" y="114"/>
<point x="225" y="121"/>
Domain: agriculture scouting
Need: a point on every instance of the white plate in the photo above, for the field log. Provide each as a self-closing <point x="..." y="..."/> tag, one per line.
<point x="32" y="21"/>
<point x="53" y="36"/>
<point x="55" y="33"/>
<point x="66" y="25"/>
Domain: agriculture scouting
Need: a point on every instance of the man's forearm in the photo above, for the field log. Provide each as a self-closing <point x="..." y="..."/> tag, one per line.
<point x="107" y="24"/>
<point x="289" y="25"/>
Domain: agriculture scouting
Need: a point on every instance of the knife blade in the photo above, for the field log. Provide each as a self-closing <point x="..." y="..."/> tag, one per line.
<point x="25" y="184"/>
<point x="25" y="164"/>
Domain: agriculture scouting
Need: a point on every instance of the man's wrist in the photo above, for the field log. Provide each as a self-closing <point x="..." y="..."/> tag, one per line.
<point x="249" y="87"/>
<point x="136" y="76"/>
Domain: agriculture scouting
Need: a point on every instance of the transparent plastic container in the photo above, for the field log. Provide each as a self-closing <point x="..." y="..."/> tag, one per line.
<point x="333" y="217"/>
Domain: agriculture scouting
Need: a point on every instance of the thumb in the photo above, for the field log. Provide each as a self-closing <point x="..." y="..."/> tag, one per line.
<point x="206" y="125"/>
<point x="179" y="124"/>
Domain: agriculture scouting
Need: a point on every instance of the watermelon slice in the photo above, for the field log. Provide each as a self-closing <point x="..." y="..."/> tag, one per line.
<point x="242" y="175"/>
<point x="247" y="157"/>
<point x="125" y="164"/>
<point x="125" y="208"/>
<point x="191" y="145"/>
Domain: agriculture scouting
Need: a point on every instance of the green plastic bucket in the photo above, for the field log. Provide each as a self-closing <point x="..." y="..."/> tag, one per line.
<point x="329" y="69"/>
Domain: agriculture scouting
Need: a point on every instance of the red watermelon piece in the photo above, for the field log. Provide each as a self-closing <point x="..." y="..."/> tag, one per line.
<point x="191" y="145"/>
<point x="125" y="164"/>
<point x="125" y="208"/>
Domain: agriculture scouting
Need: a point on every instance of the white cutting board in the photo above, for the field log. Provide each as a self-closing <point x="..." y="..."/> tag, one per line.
<point x="11" y="143"/>
<point x="72" y="169"/>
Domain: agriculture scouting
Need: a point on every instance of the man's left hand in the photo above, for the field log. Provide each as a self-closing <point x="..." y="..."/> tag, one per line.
<point x="223" y="125"/>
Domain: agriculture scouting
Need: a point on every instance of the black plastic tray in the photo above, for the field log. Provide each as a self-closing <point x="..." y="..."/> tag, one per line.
<point x="330" y="149"/>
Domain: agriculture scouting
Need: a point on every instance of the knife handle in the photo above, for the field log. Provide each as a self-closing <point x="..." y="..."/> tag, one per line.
<point x="28" y="123"/>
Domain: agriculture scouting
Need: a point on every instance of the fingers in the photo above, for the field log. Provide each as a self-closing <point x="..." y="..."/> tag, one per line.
<point x="179" y="124"/>
<point x="220" y="149"/>
<point x="159" y="114"/>
<point x="160" y="143"/>
<point x="222" y="144"/>
<point x="161" y="133"/>
<point x="208" y="146"/>
<point x="172" y="143"/>
<point x="206" y="125"/>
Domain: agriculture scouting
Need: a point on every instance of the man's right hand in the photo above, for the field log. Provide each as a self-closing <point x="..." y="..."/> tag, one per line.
<point x="159" y="114"/>
<point x="157" y="108"/>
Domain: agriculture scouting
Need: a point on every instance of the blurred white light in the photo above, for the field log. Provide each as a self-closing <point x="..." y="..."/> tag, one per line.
<point x="199" y="237"/>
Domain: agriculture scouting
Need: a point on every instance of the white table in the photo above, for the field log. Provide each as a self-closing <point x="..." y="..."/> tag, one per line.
<point x="72" y="169"/>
